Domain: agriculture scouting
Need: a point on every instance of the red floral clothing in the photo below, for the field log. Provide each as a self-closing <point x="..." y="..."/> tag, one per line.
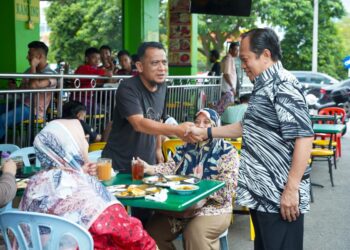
<point x="114" y="229"/>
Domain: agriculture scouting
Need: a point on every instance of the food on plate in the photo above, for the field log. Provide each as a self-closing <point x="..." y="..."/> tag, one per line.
<point x="184" y="188"/>
<point x="177" y="178"/>
<point x="22" y="183"/>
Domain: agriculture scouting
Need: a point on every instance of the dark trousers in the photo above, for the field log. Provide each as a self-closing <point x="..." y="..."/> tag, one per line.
<point x="143" y="214"/>
<point x="274" y="233"/>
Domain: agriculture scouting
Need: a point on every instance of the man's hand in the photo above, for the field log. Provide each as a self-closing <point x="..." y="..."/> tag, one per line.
<point x="183" y="132"/>
<point x="290" y="203"/>
<point x="34" y="63"/>
<point x="196" y="134"/>
<point x="9" y="167"/>
<point x="90" y="168"/>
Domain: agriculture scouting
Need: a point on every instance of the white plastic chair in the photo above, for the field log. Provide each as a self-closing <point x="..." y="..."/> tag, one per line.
<point x="94" y="155"/>
<point x="25" y="152"/>
<point x="26" y="227"/>
<point x="8" y="148"/>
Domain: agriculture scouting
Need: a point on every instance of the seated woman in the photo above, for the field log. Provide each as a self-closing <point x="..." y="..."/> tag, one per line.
<point x="202" y="224"/>
<point x="65" y="189"/>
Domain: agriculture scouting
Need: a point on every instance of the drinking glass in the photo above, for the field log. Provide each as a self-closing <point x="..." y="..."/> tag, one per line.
<point x="104" y="169"/>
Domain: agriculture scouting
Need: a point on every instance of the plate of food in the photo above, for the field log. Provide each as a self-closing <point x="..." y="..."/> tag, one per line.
<point x="184" y="189"/>
<point x="134" y="191"/>
<point x="170" y="180"/>
<point x="22" y="183"/>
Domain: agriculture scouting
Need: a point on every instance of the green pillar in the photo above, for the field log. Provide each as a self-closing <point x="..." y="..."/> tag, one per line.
<point x="19" y="25"/>
<point x="141" y="23"/>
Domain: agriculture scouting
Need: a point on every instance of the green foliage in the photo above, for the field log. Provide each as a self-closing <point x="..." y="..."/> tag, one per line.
<point x="343" y="28"/>
<point x="297" y="22"/>
<point x="295" y="19"/>
<point x="79" y="24"/>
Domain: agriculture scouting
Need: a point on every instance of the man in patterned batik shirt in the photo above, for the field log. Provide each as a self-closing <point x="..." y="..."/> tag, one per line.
<point x="277" y="141"/>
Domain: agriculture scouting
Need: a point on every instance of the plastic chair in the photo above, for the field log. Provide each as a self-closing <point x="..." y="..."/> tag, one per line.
<point x="337" y="138"/>
<point x="14" y="221"/>
<point x="319" y="154"/>
<point x="94" y="155"/>
<point x="8" y="148"/>
<point x="169" y="146"/>
<point x="25" y="152"/>
<point x="97" y="146"/>
<point x="224" y="241"/>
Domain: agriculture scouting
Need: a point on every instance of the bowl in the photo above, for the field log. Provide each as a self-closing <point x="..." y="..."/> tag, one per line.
<point x="184" y="189"/>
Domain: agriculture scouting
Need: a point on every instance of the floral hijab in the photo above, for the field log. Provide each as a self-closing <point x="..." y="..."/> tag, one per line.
<point x="62" y="188"/>
<point x="200" y="159"/>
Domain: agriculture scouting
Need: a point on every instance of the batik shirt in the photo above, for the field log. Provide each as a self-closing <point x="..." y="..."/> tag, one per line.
<point x="277" y="115"/>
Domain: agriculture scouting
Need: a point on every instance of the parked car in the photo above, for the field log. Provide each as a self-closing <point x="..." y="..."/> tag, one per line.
<point x="335" y="95"/>
<point x="314" y="81"/>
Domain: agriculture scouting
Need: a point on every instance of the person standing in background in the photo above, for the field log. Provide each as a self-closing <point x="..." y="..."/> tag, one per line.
<point x="229" y="81"/>
<point x="214" y="59"/>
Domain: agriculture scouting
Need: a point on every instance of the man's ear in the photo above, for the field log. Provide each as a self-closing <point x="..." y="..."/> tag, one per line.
<point x="267" y="53"/>
<point x="139" y="66"/>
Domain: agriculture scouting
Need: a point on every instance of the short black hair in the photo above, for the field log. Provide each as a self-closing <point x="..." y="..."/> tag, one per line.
<point x="106" y="47"/>
<point x="90" y="51"/>
<point x="244" y="98"/>
<point x="135" y="58"/>
<point x="264" y="38"/>
<point x="39" y="45"/>
<point x="71" y="109"/>
<point x="123" y="53"/>
<point x="233" y="45"/>
<point x="215" y="53"/>
<point x="146" y="45"/>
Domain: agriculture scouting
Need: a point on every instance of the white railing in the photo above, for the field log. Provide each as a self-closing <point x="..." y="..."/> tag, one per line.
<point x="186" y="94"/>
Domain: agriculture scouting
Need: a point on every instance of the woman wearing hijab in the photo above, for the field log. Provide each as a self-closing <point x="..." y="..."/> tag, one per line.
<point x="201" y="225"/>
<point x="65" y="189"/>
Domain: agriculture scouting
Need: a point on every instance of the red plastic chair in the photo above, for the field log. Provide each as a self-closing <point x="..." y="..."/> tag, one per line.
<point x="334" y="111"/>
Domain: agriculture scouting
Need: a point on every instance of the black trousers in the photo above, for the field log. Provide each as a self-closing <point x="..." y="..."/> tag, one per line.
<point x="274" y="233"/>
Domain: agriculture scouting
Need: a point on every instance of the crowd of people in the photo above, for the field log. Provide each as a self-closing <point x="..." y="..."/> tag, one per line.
<point x="269" y="176"/>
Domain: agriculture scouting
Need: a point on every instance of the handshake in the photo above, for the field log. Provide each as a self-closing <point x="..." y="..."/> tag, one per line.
<point x="190" y="133"/>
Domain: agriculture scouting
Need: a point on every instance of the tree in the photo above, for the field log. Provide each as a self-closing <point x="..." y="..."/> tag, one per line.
<point x="295" y="19"/>
<point x="79" y="24"/>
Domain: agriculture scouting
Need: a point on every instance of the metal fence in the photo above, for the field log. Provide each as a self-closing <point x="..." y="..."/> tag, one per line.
<point x="185" y="95"/>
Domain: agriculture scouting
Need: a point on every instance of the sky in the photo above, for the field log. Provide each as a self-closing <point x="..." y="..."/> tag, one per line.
<point x="346" y="4"/>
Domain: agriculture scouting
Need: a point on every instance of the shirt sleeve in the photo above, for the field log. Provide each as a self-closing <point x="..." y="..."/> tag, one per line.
<point x="292" y="112"/>
<point x="128" y="102"/>
<point x="8" y="188"/>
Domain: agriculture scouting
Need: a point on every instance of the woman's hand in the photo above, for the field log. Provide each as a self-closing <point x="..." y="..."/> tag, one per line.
<point x="90" y="168"/>
<point x="159" y="156"/>
<point x="9" y="167"/>
<point x="147" y="169"/>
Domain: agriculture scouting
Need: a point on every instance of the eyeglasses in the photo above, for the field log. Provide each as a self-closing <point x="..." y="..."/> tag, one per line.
<point x="206" y="122"/>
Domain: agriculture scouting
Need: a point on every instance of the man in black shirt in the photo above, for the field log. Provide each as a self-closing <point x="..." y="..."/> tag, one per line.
<point x="214" y="59"/>
<point x="140" y="107"/>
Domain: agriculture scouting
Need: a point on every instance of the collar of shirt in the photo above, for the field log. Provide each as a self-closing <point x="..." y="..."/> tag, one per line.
<point x="268" y="73"/>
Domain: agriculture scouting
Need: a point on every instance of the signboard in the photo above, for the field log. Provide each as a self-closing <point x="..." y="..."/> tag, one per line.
<point x="179" y="33"/>
<point x="23" y="13"/>
<point x="346" y="62"/>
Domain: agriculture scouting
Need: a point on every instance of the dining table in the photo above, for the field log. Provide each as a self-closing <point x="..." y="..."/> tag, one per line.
<point x="175" y="202"/>
<point x="328" y="128"/>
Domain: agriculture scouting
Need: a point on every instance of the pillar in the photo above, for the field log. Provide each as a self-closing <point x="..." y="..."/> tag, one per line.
<point x="19" y="25"/>
<point x="140" y="23"/>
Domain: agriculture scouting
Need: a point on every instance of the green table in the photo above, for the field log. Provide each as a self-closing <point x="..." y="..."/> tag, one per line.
<point x="329" y="128"/>
<point x="324" y="118"/>
<point x="175" y="202"/>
